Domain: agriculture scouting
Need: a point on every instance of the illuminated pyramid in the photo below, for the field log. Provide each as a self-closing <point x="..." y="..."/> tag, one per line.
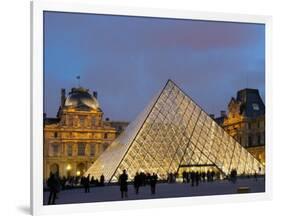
<point x="173" y="132"/>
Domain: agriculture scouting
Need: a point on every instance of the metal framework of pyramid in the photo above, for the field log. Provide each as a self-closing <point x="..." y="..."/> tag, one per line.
<point x="173" y="131"/>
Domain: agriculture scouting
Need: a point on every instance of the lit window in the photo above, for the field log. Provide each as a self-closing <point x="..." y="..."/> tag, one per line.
<point x="70" y="121"/>
<point x="92" y="150"/>
<point x="55" y="148"/>
<point x="256" y="106"/>
<point x="81" y="149"/>
<point x="82" y="120"/>
<point x="69" y="150"/>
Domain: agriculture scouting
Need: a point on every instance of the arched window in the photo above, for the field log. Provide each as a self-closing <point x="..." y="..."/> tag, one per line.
<point x="82" y="121"/>
<point x="92" y="150"/>
<point x="93" y="121"/>
<point x="81" y="149"/>
<point x="69" y="150"/>
<point x="69" y="121"/>
<point x="81" y="169"/>
<point x="55" y="149"/>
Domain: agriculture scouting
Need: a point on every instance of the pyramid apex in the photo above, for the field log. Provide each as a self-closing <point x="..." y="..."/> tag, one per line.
<point x="170" y="80"/>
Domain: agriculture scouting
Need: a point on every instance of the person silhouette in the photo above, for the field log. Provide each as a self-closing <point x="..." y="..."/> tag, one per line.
<point x="54" y="186"/>
<point x="102" y="180"/>
<point x="197" y="178"/>
<point x="153" y="181"/>
<point x="137" y="182"/>
<point x="87" y="184"/>
<point x="192" y="176"/>
<point x="123" y="184"/>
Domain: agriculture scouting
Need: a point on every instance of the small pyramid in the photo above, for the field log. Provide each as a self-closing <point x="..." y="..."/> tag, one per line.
<point x="173" y="132"/>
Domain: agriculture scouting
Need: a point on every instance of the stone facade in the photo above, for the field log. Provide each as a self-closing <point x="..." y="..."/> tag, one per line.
<point x="78" y="135"/>
<point x="245" y="121"/>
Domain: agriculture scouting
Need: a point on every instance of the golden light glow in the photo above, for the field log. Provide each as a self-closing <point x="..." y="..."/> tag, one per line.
<point x="78" y="173"/>
<point x="68" y="167"/>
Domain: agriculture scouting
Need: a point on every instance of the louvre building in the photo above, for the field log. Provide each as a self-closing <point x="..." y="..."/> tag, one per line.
<point x="173" y="133"/>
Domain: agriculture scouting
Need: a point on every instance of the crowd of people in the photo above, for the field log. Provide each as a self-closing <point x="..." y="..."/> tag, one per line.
<point x="55" y="183"/>
<point x="193" y="177"/>
<point x="140" y="179"/>
<point x="78" y="181"/>
<point x="196" y="177"/>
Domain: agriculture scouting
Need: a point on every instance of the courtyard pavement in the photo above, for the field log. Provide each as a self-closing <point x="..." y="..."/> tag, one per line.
<point x="163" y="190"/>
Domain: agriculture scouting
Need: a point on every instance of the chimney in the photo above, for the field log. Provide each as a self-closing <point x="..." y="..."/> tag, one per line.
<point x="62" y="97"/>
<point x="95" y="94"/>
<point x="212" y="116"/>
<point x="223" y="113"/>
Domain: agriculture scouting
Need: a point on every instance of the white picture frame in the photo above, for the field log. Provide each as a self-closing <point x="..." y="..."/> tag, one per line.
<point x="86" y="6"/>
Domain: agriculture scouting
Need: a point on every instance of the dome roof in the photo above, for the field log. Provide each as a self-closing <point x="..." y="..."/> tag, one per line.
<point x="80" y="97"/>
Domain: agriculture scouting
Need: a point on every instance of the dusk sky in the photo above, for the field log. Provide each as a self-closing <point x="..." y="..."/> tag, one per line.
<point x="127" y="60"/>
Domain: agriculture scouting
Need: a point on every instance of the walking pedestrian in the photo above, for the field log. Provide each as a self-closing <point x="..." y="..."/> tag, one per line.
<point x="137" y="182"/>
<point x="123" y="184"/>
<point x="153" y="181"/>
<point x="86" y="182"/>
<point x="54" y="186"/>
<point x="256" y="176"/>
<point x="197" y="178"/>
<point x="233" y="176"/>
<point x="102" y="180"/>
<point x="184" y="177"/>
<point x="192" y="176"/>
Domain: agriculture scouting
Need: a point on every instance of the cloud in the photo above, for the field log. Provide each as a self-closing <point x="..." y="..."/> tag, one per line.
<point x="128" y="59"/>
<point x="204" y="35"/>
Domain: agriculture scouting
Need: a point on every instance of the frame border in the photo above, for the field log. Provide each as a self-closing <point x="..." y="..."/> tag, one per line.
<point x="37" y="7"/>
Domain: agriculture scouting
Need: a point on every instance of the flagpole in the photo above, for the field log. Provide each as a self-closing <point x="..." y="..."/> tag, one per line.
<point x="78" y="80"/>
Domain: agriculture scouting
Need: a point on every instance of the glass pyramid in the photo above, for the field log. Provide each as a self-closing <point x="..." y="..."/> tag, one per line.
<point x="173" y="131"/>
